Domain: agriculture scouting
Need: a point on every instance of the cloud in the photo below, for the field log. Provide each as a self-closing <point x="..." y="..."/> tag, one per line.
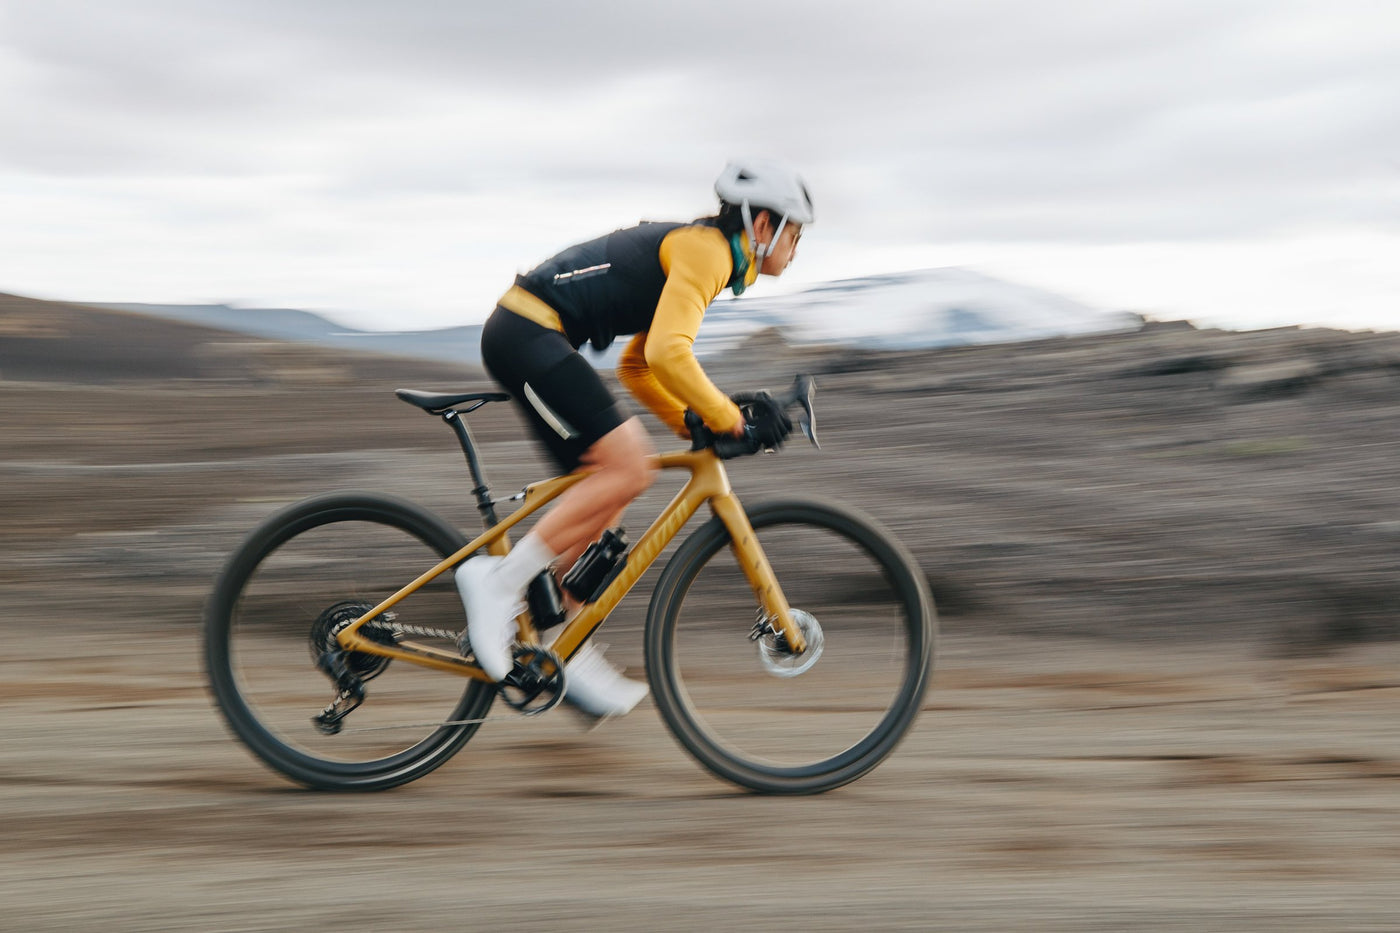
<point x="344" y="126"/>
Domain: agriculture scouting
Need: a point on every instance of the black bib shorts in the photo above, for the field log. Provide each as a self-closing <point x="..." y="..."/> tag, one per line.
<point x="559" y="392"/>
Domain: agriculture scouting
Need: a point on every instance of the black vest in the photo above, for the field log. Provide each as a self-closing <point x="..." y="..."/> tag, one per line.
<point x="606" y="287"/>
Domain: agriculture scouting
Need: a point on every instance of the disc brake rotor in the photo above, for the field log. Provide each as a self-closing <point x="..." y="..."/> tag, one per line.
<point x="778" y="657"/>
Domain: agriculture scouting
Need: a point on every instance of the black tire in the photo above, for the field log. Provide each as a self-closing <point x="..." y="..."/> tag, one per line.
<point x="258" y="632"/>
<point x="820" y="729"/>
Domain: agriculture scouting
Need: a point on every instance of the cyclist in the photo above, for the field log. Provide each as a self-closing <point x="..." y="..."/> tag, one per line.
<point x="654" y="281"/>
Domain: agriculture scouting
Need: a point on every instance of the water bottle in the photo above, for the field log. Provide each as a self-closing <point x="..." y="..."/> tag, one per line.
<point x="545" y="601"/>
<point x="591" y="573"/>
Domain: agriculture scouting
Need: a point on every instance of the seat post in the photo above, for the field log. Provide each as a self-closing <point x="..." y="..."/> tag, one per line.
<point x="484" y="505"/>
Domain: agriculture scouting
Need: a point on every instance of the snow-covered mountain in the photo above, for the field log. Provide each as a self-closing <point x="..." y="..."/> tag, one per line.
<point x="928" y="308"/>
<point x="909" y="310"/>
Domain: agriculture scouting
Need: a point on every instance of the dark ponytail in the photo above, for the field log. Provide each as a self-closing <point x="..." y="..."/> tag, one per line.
<point x="730" y="219"/>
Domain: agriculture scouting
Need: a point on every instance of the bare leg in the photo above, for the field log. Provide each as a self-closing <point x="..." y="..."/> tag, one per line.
<point x="622" y="469"/>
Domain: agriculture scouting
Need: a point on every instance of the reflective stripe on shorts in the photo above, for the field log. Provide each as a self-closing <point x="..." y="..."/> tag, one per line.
<point x="550" y="416"/>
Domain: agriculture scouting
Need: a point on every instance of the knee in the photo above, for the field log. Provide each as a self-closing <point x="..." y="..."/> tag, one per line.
<point x="637" y="468"/>
<point x="644" y="472"/>
<point x="627" y="454"/>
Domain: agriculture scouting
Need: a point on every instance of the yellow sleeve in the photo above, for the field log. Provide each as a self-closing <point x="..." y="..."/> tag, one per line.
<point x="636" y="377"/>
<point x="697" y="262"/>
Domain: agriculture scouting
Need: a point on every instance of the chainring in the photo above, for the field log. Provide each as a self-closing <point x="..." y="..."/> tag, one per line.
<point x="536" y="683"/>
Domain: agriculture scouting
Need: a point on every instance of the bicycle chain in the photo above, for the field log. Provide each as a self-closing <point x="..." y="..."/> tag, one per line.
<point x="403" y="628"/>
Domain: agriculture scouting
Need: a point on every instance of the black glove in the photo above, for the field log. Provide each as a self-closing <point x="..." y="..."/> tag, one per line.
<point x="764" y="418"/>
<point x="766" y="426"/>
<point x="729" y="446"/>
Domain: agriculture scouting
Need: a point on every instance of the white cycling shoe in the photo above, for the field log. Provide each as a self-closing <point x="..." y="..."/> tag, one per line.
<point x="591" y="684"/>
<point x="491" y="611"/>
<point x="597" y="688"/>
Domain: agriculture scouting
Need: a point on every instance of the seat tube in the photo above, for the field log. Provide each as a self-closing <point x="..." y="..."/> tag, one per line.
<point x="749" y="553"/>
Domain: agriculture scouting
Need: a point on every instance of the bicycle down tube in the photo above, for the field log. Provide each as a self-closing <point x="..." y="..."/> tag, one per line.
<point x="708" y="482"/>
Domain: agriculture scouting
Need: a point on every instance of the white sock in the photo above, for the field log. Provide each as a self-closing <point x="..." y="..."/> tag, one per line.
<point x="524" y="562"/>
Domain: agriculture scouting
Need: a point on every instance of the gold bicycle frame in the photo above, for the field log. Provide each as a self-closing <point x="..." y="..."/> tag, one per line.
<point x="708" y="482"/>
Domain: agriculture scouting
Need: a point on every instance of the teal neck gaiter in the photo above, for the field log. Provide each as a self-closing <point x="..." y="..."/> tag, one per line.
<point x="741" y="264"/>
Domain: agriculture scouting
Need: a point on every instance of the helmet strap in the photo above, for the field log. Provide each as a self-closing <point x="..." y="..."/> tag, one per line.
<point x="761" y="251"/>
<point x="777" y="233"/>
<point x="744" y="212"/>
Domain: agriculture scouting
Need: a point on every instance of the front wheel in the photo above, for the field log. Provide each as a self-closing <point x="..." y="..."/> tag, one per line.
<point x="792" y="724"/>
<point x="301" y="576"/>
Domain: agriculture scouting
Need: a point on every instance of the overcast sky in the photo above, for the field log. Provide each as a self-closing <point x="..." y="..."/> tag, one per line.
<point x="396" y="162"/>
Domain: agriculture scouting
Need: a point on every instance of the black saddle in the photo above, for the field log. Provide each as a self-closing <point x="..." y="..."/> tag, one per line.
<point x="435" y="403"/>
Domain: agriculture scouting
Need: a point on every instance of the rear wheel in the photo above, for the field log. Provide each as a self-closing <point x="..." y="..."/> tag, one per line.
<point x="753" y="712"/>
<point x="302" y="575"/>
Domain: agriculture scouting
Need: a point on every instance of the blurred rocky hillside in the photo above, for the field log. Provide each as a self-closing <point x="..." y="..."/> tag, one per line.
<point x="1165" y="482"/>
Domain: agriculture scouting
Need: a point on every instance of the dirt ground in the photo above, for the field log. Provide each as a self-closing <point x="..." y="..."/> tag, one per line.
<point x="1050" y="784"/>
<point x="1164" y="698"/>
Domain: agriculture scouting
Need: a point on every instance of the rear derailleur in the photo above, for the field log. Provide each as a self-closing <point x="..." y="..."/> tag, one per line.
<point x="347" y="670"/>
<point x="349" y="691"/>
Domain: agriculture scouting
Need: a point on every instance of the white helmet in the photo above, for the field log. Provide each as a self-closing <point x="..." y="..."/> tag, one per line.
<point x="760" y="184"/>
<point x="766" y="184"/>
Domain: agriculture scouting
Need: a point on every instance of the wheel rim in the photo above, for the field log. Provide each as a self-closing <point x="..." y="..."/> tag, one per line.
<point x="849" y="706"/>
<point x="408" y="711"/>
